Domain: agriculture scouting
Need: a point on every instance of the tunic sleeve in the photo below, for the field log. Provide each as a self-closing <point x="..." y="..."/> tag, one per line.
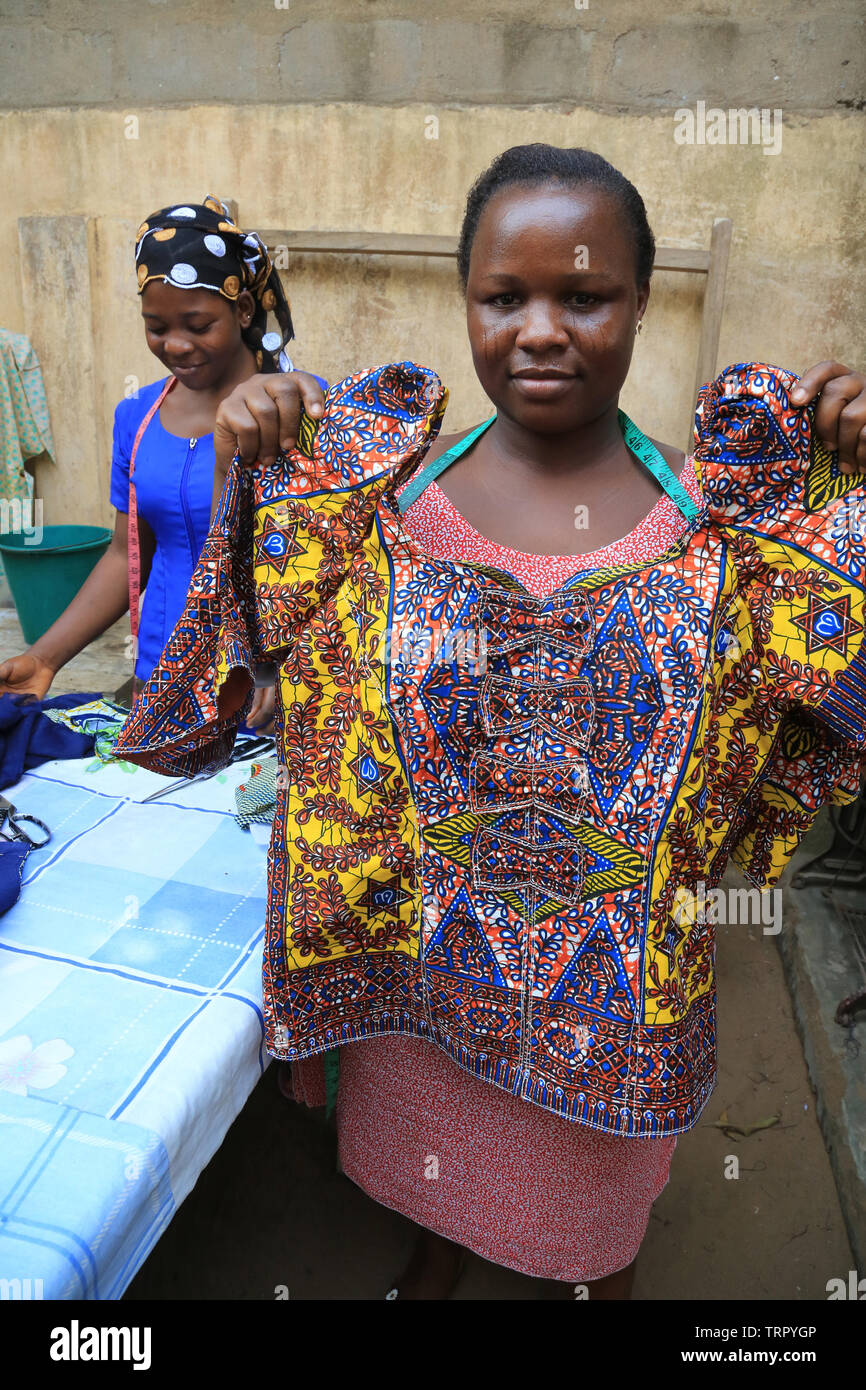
<point x="312" y="516"/>
<point x="279" y="548"/>
<point x="185" y="718"/>
<point x="794" y="636"/>
<point x="797" y="527"/>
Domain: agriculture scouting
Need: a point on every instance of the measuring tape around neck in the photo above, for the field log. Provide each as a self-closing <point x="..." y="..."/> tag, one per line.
<point x="133" y="541"/>
<point x="636" y="442"/>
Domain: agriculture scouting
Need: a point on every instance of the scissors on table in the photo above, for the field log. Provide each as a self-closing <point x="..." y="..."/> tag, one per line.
<point x="10" y="825"/>
<point x="250" y="747"/>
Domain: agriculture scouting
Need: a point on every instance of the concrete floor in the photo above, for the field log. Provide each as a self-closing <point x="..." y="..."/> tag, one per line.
<point x="271" y="1209"/>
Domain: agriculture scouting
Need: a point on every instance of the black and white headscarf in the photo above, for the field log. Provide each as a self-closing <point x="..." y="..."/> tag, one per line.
<point x="198" y="246"/>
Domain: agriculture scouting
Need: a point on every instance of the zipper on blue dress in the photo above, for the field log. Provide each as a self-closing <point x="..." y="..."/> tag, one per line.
<point x="184" y="500"/>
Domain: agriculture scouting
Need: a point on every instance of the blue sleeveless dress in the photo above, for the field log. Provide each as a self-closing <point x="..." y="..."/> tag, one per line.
<point x="174" y="486"/>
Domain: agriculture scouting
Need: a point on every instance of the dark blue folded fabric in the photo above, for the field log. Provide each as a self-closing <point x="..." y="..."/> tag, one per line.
<point x="12" y="856"/>
<point x="26" y="739"/>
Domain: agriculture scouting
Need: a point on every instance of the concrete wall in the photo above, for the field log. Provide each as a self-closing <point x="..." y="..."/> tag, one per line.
<point x="320" y="118"/>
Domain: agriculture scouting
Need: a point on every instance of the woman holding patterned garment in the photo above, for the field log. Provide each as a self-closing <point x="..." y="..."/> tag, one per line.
<point x="214" y="314"/>
<point x="476" y="861"/>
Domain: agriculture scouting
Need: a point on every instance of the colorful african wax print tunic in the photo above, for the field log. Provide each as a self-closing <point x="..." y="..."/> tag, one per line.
<point x="492" y="800"/>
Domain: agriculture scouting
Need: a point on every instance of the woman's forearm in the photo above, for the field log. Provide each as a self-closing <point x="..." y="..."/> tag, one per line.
<point x="101" y="600"/>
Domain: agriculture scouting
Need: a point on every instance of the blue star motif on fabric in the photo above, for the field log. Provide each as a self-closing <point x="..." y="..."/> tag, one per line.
<point x="384" y="897"/>
<point x="277" y="545"/>
<point x="367" y="771"/>
<point x="828" y="623"/>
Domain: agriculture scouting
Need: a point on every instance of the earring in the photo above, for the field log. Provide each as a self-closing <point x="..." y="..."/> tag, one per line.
<point x="639" y="326"/>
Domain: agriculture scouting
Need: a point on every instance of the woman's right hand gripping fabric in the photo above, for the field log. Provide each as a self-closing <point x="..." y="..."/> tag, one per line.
<point x="262" y="417"/>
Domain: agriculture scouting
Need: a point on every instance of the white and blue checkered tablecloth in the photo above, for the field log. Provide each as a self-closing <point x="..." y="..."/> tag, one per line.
<point x="131" y="1030"/>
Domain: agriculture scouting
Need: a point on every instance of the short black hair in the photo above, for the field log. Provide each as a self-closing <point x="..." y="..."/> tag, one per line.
<point x="538" y="163"/>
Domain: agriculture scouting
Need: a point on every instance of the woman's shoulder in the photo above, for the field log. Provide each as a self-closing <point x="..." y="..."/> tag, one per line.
<point x="442" y="443"/>
<point x="673" y="457"/>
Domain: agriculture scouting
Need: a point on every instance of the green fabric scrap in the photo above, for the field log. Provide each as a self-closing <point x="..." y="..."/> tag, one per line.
<point x="256" y="798"/>
<point x="103" y="719"/>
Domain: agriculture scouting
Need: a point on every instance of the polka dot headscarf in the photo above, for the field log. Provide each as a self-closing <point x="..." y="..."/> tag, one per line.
<point x="197" y="246"/>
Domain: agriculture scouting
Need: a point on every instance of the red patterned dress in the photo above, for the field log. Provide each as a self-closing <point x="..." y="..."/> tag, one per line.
<point x="503" y="1177"/>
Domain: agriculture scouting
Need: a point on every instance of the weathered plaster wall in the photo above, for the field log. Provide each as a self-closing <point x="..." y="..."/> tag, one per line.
<point x="313" y="119"/>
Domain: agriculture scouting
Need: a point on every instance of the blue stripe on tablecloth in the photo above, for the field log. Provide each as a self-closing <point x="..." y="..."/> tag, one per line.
<point x="141" y="977"/>
<point x="47" y="1199"/>
<point x="170" y="1042"/>
<point x="66" y="1121"/>
<point x="227" y="810"/>
<point x="54" y="1138"/>
<point x="74" y="1240"/>
<point x="9" y="1229"/>
<point x="55" y="1179"/>
<point x="52" y="858"/>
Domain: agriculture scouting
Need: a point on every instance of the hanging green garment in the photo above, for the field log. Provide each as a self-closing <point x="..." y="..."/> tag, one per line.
<point x="25" y="427"/>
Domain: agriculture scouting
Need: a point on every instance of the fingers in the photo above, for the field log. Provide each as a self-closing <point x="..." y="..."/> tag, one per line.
<point x="263" y="407"/>
<point x="290" y="392"/>
<point x="24" y="687"/>
<point x="814" y="380"/>
<point x="17" y="673"/>
<point x="247" y="422"/>
<point x="851" y="435"/>
<point x="283" y="415"/>
<point x="262" y="416"/>
<point x="312" y="394"/>
<point x="234" y="429"/>
<point x="840" y="414"/>
<point x="840" y="420"/>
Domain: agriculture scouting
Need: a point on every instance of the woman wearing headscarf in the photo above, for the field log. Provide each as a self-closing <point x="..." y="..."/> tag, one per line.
<point x="214" y="315"/>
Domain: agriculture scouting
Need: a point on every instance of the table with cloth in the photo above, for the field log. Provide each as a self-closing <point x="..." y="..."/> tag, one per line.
<point x="131" y="1031"/>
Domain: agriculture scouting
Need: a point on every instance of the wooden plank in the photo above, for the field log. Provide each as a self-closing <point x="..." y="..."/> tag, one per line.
<point x="714" y="301"/>
<point x="362" y="243"/>
<point x="411" y="244"/>
<point x="682" y="258"/>
<point x="57" y="259"/>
